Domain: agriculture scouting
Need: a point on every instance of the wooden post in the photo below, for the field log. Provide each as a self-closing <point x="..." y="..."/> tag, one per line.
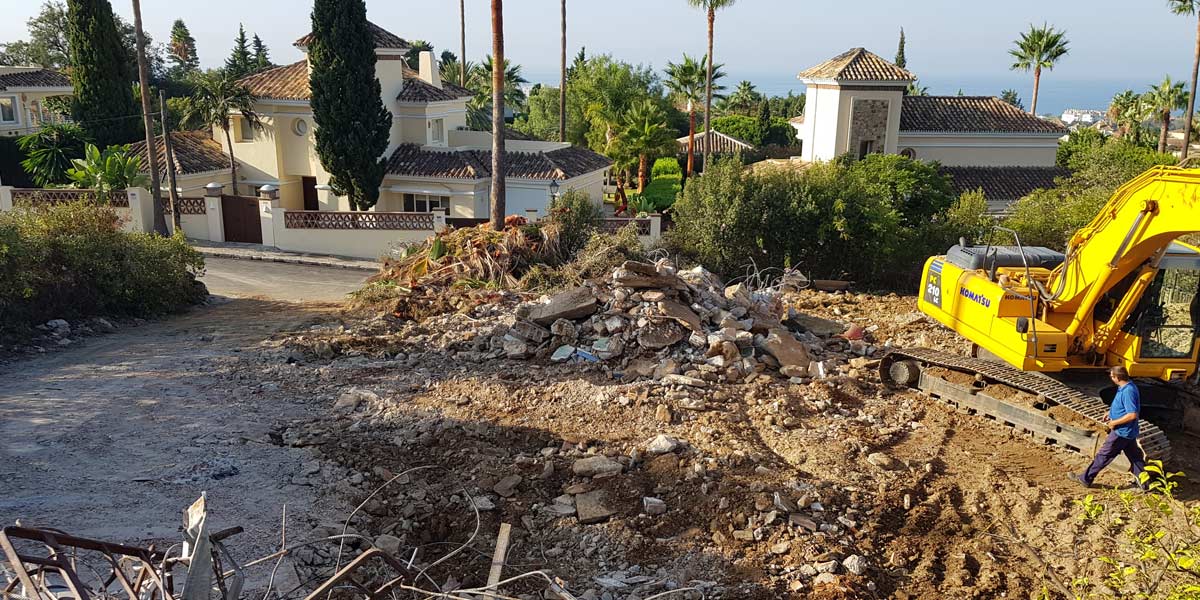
<point x="172" y="192"/>
<point x="498" y="557"/>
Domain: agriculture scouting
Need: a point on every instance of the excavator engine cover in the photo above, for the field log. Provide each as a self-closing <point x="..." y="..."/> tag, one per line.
<point x="971" y="258"/>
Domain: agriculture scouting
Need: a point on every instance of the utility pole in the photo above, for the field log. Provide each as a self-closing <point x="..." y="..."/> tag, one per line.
<point x="562" y="87"/>
<point x="169" y="150"/>
<point x="462" y="59"/>
<point x="160" y="223"/>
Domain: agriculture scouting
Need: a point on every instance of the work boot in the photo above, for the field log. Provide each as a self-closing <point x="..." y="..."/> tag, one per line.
<point x="1077" y="478"/>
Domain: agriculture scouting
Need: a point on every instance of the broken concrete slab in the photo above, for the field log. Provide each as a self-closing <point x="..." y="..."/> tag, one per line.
<point x="507" y="486"/>
<point x="786" y="349"/>
<point x="574" y="303"/>
<point x="591" y="507"/>
<point x="656" y="336"/>
<point x="653" y="506"/>
<point x="596" y="465"/>
<point x="684" y="315"/>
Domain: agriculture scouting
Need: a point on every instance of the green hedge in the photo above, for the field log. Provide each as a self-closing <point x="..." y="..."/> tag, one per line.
<point x="666" y="166"/>
<point x="663" y="190"/>
<point x="72" y="260"/>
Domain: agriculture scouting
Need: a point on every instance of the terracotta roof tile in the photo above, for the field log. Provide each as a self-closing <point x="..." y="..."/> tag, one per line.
<point x="195" y="152"/>
<point x="857" y="64"/>
<point x="417" y="91"/>
<point x="565" y="163"/>
<point x="1003" y="185"/>
<point x="38" y="78"/>
<point x="970" y="114"/>
<point x="289" y="82"/>
<point x="382" y="38"/>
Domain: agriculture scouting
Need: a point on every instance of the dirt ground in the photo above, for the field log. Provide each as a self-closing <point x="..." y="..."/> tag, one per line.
<point x="832" y="489"/>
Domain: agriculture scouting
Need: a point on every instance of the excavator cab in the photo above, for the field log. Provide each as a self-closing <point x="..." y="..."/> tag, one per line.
<point x="1167" y="320"/>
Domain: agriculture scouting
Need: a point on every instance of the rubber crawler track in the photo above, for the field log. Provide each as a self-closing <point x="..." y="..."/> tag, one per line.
<point x="1091" y="407"/>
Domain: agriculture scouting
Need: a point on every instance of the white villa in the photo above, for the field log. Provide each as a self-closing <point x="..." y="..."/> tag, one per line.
<point x="23" y="92"/>
<point x="434" y="163"/>
<point x="857" y="104"/>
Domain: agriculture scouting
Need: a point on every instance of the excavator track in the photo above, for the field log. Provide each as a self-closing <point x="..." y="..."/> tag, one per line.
<point x="910" y="368"/>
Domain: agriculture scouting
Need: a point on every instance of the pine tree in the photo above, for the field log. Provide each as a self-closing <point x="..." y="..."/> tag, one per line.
<point x="262" y="59"/>
<point x="102" y="103"/>
<point x="764" y="121"/>
<point x="352" y="124"/>
<point x="901" y="60"/>
<point x="240" y="62"/>
<point x="182" y="51"/>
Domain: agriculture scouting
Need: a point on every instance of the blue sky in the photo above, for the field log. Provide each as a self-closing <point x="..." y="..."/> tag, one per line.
<point x="951" y="43"/>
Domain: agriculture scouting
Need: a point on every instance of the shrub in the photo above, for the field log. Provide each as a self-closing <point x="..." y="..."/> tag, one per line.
<point x="113" y="169"/>
<point x="739" y="126"/>
<point x="1079" y="140"/>
<point x="779" y="133"/>
<point x="72" y="260"/>
<point x="666" y="166"/>
<point x="663" y="191"/>
<point x="602" y="253"/>
<point x="575" y="217"/>
<point x="50" y="151"/>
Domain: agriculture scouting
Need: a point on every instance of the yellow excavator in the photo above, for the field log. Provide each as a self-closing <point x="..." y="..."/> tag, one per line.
<point x="1045" y="325"/>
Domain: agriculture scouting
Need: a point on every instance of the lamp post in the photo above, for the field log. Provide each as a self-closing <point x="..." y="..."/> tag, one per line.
<point x="554" y="187"/>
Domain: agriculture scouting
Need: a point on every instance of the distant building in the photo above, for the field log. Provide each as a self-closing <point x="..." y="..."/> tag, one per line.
<point x="1076" y="116"/>
<point x="858" y="105"/>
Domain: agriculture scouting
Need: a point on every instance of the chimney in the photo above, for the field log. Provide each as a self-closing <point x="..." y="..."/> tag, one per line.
<point x="429" y="70"/>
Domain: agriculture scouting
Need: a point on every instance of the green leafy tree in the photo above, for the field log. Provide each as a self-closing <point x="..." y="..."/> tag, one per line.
<point x="1189" y="8"/>
<point x="540" y="119"/>
<point x="446" y="58"/>
<point x="1012" y="97"/>
<point x="1080" y="140"/>
<point x="710" y="8"/>
<point x="415" y="48"/>
<point x="1037" y="49"/>
<point x="182" y="51"/>
<point x="1162" y="100"/>
<point x="109" y="171"/>
<point x="686" y="83"/>
<point x="601" y="91"/>
<point x="49" y="152"/>
<point x="901" y="60"/>
<point x="100" y="75"/>
<point x="788" y="106"/>
<point x="739" y="126"/>
<point x="217" y="97"/>
<point x="647" y="136"/>
<point x="47" y="44"/>
<point x="262" y="57"/>
<point x="514" y="94"/>
<point x="240" y="62"/>
<point x="352" y="122"/>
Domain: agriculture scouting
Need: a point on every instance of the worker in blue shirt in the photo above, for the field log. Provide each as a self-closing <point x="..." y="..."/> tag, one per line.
<point x="1122" y="421"/>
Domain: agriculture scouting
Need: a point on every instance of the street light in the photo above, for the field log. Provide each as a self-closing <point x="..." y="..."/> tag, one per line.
<point x="554" y="189"/>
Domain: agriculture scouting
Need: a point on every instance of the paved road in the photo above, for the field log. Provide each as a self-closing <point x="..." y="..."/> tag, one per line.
<point x="279" y="281"/>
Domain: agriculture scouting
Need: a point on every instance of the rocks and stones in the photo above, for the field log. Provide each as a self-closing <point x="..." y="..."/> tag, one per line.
<point x="825" y="578"/>
<point x="786" y="349"/>
<point x="663" y="413"/>
<point x="881" y="460"/>
<point x="591" y="507"/>
<point x="663" y="444"/>
<point x="803" y="521"/>
<point x="103" y="325"/>
<point x="58" y="327"/>
<point x="574" y="303"/>
<point x="564" y="329"/>
<point x="674" y="379"/>
<point x="855" y="564"/>
<point x="653" y="506"/>
<point x="829" y="566"/>
<point x="658" y="335"/>
<point x="507" y="486"/>
<point x="562" y="354"/>
<point x="608" y="348"/>
<point x="596" y="465"/>
<point x="814" y="325"/>
<point x="654" y="296"/>
<point x="638" y="275"/>
<point x="783" y="503"/>
<point x="354" y="398"/>
<point x="780" y="548"/>
<point x="389" y="544"/>
<point x="483" y="503"/>
<point x="515" y="348"/>
<point x="529" y="332"/>
<point x="682" y="314"/>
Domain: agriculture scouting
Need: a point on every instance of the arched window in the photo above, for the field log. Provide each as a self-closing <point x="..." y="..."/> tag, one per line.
<point x="908" y="153"/>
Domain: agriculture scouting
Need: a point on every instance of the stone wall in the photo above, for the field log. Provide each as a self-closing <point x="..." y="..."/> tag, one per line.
<point x="868" y="122"/>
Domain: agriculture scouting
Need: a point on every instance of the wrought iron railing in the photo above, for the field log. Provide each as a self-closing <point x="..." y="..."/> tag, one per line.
<point x="321" y="219"/>
<point x="41" y="196"/>
<point x="615" y="224"/>
<point x="187" y="206"/>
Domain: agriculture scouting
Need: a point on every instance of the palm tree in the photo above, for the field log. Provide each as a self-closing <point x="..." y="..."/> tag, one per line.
<point x="1119" y="110"/>
<point x="1190" y="8"/>
<point x="710" y="7"/>
<point x="415" y="48"/>
<point x="1164" y="99"/>
<point x="216" y="97"/>
<point x="499" y="73"/>
<point x="562" y="86"/>
<point x="916" y="89"/>
<point x="512" y="81"/>
<point x="462" y="32"/>
<point x="685" y="81"/>
<point x="745" y="97"/>
<point x="1039" y="48"/>
<point x="646" y="134"/>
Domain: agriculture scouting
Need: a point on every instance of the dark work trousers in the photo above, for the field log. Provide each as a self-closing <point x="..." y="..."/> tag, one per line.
<point x="1113" y="446"/>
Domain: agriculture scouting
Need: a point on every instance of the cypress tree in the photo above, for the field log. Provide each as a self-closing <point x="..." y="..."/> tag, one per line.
<point x="764" y="121"/>
<point x="182" y="51"/>
<point x="240" y="62"/>
<point x="901" y="60"/>
<point x="352" y="122"/>
<point x="102" y="103"/>
<point x="262" y="59"/>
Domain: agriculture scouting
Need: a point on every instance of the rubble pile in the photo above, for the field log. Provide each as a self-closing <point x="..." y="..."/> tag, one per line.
<point x="683" y="327"/>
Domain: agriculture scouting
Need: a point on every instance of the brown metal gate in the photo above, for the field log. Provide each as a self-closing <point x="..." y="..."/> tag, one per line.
<point x="239" y="214"/>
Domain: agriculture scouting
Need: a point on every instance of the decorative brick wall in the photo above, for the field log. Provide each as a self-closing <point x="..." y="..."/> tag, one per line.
<point x="868" y="122"/>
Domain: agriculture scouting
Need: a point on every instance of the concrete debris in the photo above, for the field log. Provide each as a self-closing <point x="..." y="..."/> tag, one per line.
<point x="663" y="444"/>
<point x="389" y="543"/>
<point x="596" y="465"/>
<point x="855" y="564"/>
<point x="591" y="507"/>
<point x="653" y="506"/>
<point x="355" y="398"/>
<point x="881" y="460"/>
<point x="575" y="303"/>
<point x="508" y="486"/>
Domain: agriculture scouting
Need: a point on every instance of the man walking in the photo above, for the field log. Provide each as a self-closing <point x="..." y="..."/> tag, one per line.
<point x="1122" y="423"/>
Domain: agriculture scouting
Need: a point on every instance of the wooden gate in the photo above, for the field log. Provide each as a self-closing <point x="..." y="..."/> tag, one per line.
<point x="239" y="214"/>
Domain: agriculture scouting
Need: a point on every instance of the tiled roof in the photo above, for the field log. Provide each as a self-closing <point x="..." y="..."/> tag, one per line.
<point x="195" y="152"/>
<point x="798" y="120"/>
<point x="1003" y="185"/>
<point x="857" y="64"/>
<point x="970" y="114"/>
<point x="565" y="163"/>
<point x="38" y="78"/>
<point x="722" y="143"/>
<point x="382" y="38"/>
<point x="417" y="90"/>
<point x="289" y="82"/>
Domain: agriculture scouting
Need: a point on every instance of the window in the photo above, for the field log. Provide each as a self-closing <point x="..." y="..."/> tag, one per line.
<point x="421" y="203"/>
<point x="908" y="153"/>
<point x="300" y="127"/>
<point x="865" y="148"/>
<point x="8" y="109"/>
<point x="1169" y="313"/>
<point x="245" y="130"/>
<point x="437" y="130"/>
